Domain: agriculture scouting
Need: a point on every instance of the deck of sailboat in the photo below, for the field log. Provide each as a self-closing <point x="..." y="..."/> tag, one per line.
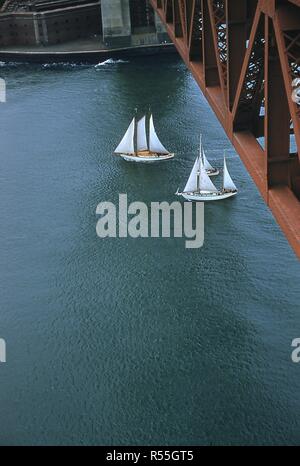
<point x="147" y="153"/>
<point x="200" y="196"/>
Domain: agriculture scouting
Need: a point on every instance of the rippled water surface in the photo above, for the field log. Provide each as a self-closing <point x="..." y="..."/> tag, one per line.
<point x="123" y="341"/>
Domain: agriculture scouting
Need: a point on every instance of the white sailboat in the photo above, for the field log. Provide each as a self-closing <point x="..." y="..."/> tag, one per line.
<point x="210" y="170"/>
<point x="199" y="186"/>
<point x="135" y="147"/>
<point x="228" y="184"/>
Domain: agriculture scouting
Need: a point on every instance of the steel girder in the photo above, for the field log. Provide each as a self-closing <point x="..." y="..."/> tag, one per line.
<point x="245" y="55"/>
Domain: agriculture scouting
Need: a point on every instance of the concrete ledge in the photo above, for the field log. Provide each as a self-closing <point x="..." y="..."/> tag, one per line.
<point x="119" y="42"/>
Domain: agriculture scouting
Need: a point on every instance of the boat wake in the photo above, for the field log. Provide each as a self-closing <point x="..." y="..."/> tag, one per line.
<point x="11" y="64"/>
<point x="110" y="61"/>
<point x="62" y="64"/>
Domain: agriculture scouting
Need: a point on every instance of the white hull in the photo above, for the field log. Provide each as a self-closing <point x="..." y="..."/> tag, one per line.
<point x="207" y="197"/>
<point x="146" y="158"/>
<point x="214" y="172"/>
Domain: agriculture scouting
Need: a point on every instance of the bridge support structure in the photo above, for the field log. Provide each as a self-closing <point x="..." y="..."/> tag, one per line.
<point x="245" y="57"/>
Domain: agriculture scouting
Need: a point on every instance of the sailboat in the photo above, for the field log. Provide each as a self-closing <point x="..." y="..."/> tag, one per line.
<point x="228" y="184"/>
<point x="211" y="171"/>
<point x="135" y="147"/>
<point x="199" y="186"/>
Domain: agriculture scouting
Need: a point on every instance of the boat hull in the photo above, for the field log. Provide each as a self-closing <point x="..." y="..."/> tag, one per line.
<point x="207" y="197"/>
<point x="146" y="158"/>
<point x="214" y="172"/>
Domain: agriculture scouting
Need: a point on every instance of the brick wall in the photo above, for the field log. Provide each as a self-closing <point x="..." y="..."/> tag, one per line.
<point x="50" y="27"/>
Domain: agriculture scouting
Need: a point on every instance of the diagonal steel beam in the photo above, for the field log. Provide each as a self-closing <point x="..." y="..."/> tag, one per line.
<point x="257" y="78"/>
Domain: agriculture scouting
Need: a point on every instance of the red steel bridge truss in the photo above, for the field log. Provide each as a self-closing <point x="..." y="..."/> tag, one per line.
<point x="245" y="56"/>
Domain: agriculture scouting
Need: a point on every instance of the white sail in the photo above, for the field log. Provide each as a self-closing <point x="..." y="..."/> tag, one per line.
<point x="228" y="184"/>
<point x="205" y="183"/>
<point x="191" y="185"/>
<point x="142" y="143"/>
<point x="126" y="146"/>
<point x="154" y="143"/>
<point x="206" y="163"/>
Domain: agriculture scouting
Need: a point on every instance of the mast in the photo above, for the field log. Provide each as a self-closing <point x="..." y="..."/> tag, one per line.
<point x="135" y="133"/>
<point x="199" y="168"/>
<point x="200" y="150"/>
<point x="224" y="164"/>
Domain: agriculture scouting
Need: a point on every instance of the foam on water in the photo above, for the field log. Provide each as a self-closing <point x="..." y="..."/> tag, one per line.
<point x="110" y="61"/>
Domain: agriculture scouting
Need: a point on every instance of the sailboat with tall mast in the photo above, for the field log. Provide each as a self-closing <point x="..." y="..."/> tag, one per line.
<point x="199" y="186"/>
<point x="136" y="147"/>
<point x="210" y="170"/>
<point x="228" y="184"/>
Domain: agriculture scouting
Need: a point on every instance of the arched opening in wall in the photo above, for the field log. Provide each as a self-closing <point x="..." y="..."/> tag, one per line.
<point x="142" y="16"/>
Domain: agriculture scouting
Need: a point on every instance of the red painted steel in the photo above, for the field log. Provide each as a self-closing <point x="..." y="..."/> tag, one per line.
<point x="244" y="55"/>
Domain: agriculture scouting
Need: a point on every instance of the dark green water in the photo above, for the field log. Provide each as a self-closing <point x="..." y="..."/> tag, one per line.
<point x="123" y="341"/>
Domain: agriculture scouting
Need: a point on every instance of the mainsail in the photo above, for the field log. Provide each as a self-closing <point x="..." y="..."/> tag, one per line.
<point x="126" y="146"/>
<point x="142" y="143"/>
<point x="228" y="184"/>
<point x="154" y="143"/>
<point x="205" y="183"/>
<point x="191" y="185"/>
